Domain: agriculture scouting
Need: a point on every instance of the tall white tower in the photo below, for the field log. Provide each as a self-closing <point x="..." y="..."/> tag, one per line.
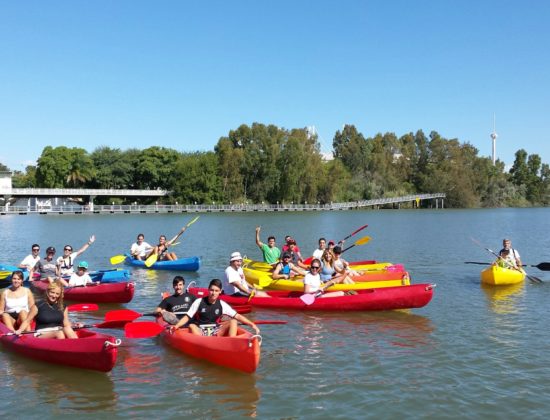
<point x="494" y="138"/>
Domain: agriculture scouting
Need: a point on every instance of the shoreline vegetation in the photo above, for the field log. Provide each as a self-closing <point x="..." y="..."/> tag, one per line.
<point x="260" y="164"/>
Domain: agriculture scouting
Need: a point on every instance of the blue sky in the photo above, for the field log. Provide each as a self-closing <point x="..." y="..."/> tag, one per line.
<point x="181" y="74"/>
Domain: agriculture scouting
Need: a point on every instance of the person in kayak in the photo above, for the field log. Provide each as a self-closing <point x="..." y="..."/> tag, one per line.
<point x="318" y="253"/>
<point x="66" y="261"/>
<point x="47" y="267"/>
<point x="341" y="265"/>
<point x="140" y="249"/>
<point x="270" y="252"/>
<point x="234" y="283"/>
<point x="313" y="283"/>
<point x="207" y="311"/>
<point x="331" y="271"/>
<point x="51" y="315"/>
<point x="80" y="278"/>
<point x="513" y="255"/>
<point x="296" y="257"/>
<point x="286" y="269"/>
<point x="162" y="248"/>
<point x="29" y="262"/>
<point x="175" y="306"/>
<point x="15" y="302"/>
<point x="286" y="246"/>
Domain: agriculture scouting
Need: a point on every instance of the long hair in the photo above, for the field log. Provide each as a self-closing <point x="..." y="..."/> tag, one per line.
<point x="56" y="284"/>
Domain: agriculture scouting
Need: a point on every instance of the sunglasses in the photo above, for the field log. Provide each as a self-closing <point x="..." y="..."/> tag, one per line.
<point x="36" y="249"/>
<point x="315" y="267"/>
<point x="68" y="249"/>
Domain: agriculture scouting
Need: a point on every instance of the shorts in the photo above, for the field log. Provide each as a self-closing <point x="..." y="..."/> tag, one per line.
<point x="209" y="329"/>
<point x="14" y="315"/>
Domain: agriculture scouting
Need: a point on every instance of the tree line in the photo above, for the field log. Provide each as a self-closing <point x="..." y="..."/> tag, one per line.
<point x="265" y="163"/>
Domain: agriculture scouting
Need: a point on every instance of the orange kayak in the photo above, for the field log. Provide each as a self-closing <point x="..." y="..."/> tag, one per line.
<point x="241" y="352"/>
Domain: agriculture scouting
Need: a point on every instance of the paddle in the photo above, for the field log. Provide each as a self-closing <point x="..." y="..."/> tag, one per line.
<point x="308" y="260"/>
<point x="531" y="278"/>
<point x="108" y="324"/>
<point x="117" y="259"/>
<point x="154" y="257"/>
<point x="147" y="329"/>
<point x="362" y="241"/>
<point x="543" y="266"/>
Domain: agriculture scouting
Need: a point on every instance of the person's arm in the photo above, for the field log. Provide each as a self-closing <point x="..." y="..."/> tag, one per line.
<point x="258" y="242"/>
<point x="30" y="297"/>
<point x="244" y="320"/>
<point x="161" y="307"/>
<point x="171" y="241"/>
<point x="276" y="275"/>
<point x="190" y="314"/>
<point x="518" y="259"/>
<point x="86" y="245"/>
<point x="2" y="302"/>
<point x="298" y="269"/>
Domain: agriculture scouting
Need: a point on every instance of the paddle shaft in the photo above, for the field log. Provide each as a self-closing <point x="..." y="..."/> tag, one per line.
<point x="353" y="233"/>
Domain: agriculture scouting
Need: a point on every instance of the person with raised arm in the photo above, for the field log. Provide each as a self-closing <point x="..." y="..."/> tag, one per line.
<point x="67" y="260"/>
<point x="270" y="252"/>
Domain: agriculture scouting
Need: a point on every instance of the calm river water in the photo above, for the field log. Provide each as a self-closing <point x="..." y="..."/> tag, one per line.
<point x="472" y="352"/>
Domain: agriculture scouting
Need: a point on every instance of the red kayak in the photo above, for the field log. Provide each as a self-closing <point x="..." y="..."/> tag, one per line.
<point x="241" y="352"/>
<point x="381" y="299"/>
<point x="122" y="292"/>
<point x="91" y="350"/>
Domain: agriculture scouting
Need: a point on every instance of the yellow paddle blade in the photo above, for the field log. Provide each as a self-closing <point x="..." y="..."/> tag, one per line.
<point x="263" y="282"/>
<point x="363" y="240"/>
<point x="151" y="260"/>
<point x="192" y="221"/>
<point x="117" y="259"/>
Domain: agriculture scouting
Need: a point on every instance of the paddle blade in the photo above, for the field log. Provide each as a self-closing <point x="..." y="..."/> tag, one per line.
<point x="143" y="329"/>
<point x="111" y="324"/>
<point x="308" y="260"/>
<point x="544" y="266"/>
<point x="363" y="240"/>
<point x="192" y="221"/>
<point x="122" y="315"/>
<point x="270" y="322"/>
<point x="243" y="309"/>
<point x="264" y="282"/>
<point x="151" y="260"/>
<point x="308" y="298"/>
<point x="83" y="307"/>
<point x="117" y="259"/>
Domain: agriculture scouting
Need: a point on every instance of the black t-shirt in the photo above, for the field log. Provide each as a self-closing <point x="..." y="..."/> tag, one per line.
<point x="177" y="303"/>
<point x="48" y="316"/>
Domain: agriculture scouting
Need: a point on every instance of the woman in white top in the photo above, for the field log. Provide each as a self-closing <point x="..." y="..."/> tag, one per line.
<point x="313" y="284"/>
<point x="15" y="302"/>
<point x="66" y="261"/>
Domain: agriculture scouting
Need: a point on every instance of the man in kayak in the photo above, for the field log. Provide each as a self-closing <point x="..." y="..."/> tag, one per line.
<point x="234" y="283"/>
<point x="207" y="312"/>
<point x="270" y="252"/>
<point x="286" y="269"/>
<point x="174" y="307"/>
<point x="29" y="262"/>
<point x="66" y="261"/>
<point x="318" y="253"/>
<point x="513" y="255"/>
<point x="80" y="278"/>
<point x="140" y="249"/>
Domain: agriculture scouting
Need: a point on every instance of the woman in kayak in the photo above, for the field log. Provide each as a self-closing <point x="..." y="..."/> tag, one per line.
<point x="205" y="315"/>
<point x="285" y="269"/>
<point x="51" y="316"/>
<point x="15" y="302"/>
<point x="162" y="248"/>
<point x="313" y="283"/>
<point x="66" y="261"/>
<point x="330" y="271"/>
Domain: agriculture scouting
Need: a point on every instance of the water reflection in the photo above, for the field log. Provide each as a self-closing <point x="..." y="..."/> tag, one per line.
<point x="504" y="299"/>
<point x="63" y="389"/>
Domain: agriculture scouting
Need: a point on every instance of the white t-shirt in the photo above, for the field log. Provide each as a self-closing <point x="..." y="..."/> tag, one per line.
<point x="66" y="264"/>
<point x="82" y="280"/>
<point x="318" y="253"/>
<point x="313" y="281"/>
<point x="30" y="261"/>
<point x="140" y="250"/>
<point x="233" y="276"/>
<point x="226" y="309"/>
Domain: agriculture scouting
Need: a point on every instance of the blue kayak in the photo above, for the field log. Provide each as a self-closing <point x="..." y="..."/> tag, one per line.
<point x="110" y="276"/>
<point x="6" y="280"/>
<point x="181" y="264"/>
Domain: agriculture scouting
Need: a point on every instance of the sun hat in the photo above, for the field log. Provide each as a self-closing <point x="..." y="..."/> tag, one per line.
<point x="235" y="256"/>
<point x="83" y="264"/>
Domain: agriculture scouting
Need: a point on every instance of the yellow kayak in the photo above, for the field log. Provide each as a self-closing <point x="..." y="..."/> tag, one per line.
<point x="359" y="266"/>
<point x="264" y="280"/>
<point x="498" y="276"/>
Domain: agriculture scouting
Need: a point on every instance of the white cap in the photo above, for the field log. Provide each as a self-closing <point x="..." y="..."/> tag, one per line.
<point x="235" y="256"/>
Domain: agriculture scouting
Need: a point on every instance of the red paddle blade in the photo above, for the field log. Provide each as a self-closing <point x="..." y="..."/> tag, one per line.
<point x="243" y="309"/>
<point x="308" y="260"/>
<point x="122" y="315"/>
<point x="83" y="307"/>
<point x="112" y="324"/>
<point x="143" y="329"/>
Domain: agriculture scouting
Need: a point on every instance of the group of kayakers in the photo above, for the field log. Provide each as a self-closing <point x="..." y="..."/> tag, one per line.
<point x="141" y="250"/>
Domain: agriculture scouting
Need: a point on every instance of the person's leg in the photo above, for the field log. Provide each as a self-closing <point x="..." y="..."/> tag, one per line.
<point x="8" y="321"/>
<point x="69" y="333"/>
<point x="195" y="329"/>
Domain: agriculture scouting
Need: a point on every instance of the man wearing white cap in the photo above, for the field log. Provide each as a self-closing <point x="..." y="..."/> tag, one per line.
<point x="234" y="283"/>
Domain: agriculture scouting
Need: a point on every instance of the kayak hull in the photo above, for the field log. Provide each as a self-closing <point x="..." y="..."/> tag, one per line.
<point x="500" y="276"/>
<point x="181" y="264"/>
<point x="365" y="281"/>
<point x="121" y="292"/>
<point x="241" y="352"/>
<point x="91" y="350"/>
<point x="381" y="299"/>
<point x="366" y="265"/>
